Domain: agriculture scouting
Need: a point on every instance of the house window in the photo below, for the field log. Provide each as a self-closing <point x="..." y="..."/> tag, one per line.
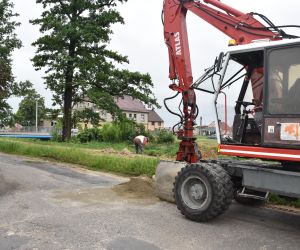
<point x="153" y="123"/>
<point x="130" y="115"/>
<point x="134" y="116"/>
<point x="159" y="124"/>
<point x="142" y="117"/>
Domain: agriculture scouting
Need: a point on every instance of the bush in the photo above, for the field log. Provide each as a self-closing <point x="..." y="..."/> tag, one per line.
<point x="56" y="133"/>
<point x="128" y="130"/>
<point x="165" y="136"/>
<point x="114" y="132"/>
<point x="111" y="133"/>
<point x="122" y="131"/>
<point x="90" y="134"/>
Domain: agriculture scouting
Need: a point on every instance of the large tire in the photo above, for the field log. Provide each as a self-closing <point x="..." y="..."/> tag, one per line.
<point x="203" y="191"/>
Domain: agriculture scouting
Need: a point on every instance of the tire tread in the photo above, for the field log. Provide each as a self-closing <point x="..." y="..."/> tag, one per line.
<point x="221" y="185"/>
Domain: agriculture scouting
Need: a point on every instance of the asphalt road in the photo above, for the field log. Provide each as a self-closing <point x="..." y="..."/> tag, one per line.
<point x="51" y="206"/>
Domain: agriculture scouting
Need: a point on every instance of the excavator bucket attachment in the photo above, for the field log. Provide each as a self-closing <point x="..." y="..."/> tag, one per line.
<point x="164" y="179"/>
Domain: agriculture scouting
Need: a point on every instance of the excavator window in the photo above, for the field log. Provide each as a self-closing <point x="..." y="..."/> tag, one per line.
<point x="244" y="112"/>
<point x="283" y="88"/>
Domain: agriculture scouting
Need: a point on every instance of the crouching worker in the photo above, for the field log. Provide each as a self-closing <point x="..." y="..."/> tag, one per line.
<point x="140" y="142"/>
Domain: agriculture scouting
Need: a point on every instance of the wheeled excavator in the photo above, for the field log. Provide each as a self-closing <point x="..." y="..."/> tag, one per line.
<point x="261" y="154"/>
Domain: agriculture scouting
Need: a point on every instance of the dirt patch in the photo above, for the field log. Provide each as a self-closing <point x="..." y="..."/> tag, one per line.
<point x="126" y="151"/>
<point x="7" y="187"/>
<point x="110" y="151"/>
<point x="121" y="153"/>
<point x="139" y="190"/>
<point x="283" y="208"/>
<point x="138" y="187"/>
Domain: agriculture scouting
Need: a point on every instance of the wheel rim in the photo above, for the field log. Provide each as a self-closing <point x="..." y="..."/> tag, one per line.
<point x="195" y="193"/>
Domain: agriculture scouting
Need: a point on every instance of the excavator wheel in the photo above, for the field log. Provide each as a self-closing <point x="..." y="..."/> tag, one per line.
<point x="203" y="191"/>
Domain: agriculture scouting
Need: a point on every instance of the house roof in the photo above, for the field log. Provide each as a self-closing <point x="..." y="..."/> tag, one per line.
<point x="154" y="117"/>
<point x="127" y="103"/>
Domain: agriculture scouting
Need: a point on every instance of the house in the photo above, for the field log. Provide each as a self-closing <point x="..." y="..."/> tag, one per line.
<point x="224" y="128"/>
<point x="201" y="130"/>
<point x="133" y="109"/>
<point x="154" y="121"/>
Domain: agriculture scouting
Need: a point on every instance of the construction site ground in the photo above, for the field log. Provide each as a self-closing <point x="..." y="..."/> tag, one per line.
<point x="44" y="205"/>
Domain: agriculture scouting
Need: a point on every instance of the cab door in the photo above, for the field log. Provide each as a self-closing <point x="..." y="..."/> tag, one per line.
<point x="281" y="126"/>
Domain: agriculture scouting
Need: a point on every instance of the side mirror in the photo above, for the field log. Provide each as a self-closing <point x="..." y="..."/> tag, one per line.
<point x="219" y="61"/>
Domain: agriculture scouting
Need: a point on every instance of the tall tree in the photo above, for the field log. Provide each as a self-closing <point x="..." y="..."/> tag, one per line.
<point x="26" y="114"/>
<point x="6" y="115"/>
<point x="8" y="43"/>
<point x="78" y="64"/>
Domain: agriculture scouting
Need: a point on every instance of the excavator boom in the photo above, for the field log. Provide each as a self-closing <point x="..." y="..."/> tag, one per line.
<point x="241" y="27"/>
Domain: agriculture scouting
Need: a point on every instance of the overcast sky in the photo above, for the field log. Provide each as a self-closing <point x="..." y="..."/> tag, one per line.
<point x="141" y="39"/>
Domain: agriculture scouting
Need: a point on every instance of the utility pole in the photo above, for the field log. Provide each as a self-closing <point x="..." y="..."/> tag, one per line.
<point x="200" y="129"/>
<point x="36" y="116"/>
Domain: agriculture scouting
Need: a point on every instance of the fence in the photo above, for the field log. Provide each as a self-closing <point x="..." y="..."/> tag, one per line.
<point x="30" y="129"/>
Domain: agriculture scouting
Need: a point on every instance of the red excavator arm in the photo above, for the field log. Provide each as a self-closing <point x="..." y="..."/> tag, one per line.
<point x="243" y="28"/>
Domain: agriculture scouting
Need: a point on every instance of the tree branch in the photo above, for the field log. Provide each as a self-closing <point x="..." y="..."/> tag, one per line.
<point x="65" y="9"/>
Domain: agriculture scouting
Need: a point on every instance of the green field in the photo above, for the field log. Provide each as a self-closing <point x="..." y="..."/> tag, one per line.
<point x="114" y="157"/>
<point x="163" y="151"/>
<point x="120" y="161"/>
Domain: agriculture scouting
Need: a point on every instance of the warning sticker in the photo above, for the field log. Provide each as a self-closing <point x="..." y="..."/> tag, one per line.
<point x="290" y="132"/>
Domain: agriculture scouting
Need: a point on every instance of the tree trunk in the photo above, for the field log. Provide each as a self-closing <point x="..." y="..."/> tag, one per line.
<point x="67" y="121"/>
<point x="68" y="95"/>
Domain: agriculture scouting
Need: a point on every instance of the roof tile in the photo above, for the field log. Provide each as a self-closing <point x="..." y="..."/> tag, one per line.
<point x="154" y="117"/>
<point x="127" y="103"/>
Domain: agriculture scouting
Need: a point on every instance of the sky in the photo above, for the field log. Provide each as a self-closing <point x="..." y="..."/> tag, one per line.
<point x="141" y="39"/>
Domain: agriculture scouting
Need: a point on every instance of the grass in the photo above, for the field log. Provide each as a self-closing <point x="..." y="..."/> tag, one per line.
<point x="277" y="200"/>
<point x="133" y="166"/>
<point x="163" y="151"/>
<point x="113" y="157"/>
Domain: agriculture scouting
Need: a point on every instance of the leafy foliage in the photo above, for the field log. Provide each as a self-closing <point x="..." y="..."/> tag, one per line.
<point x="6" y="115"/>
<point x="165" y="136"/>
<point x="8" y="43"/>
<point x="26" y="114"/>
<point x="120" y="131"/>
<point x="56" y="132"/>
<point x="78" y="64"/>
<point x="86" y="116"/>
<point x="92" y="134"/>
<point x="52" y="114"/>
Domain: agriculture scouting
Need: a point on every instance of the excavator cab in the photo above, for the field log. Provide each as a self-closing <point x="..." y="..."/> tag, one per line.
<point x="266" y="112"/>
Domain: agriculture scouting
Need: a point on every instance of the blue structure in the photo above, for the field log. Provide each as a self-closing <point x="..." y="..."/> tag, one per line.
<point x="27" y="136"/>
